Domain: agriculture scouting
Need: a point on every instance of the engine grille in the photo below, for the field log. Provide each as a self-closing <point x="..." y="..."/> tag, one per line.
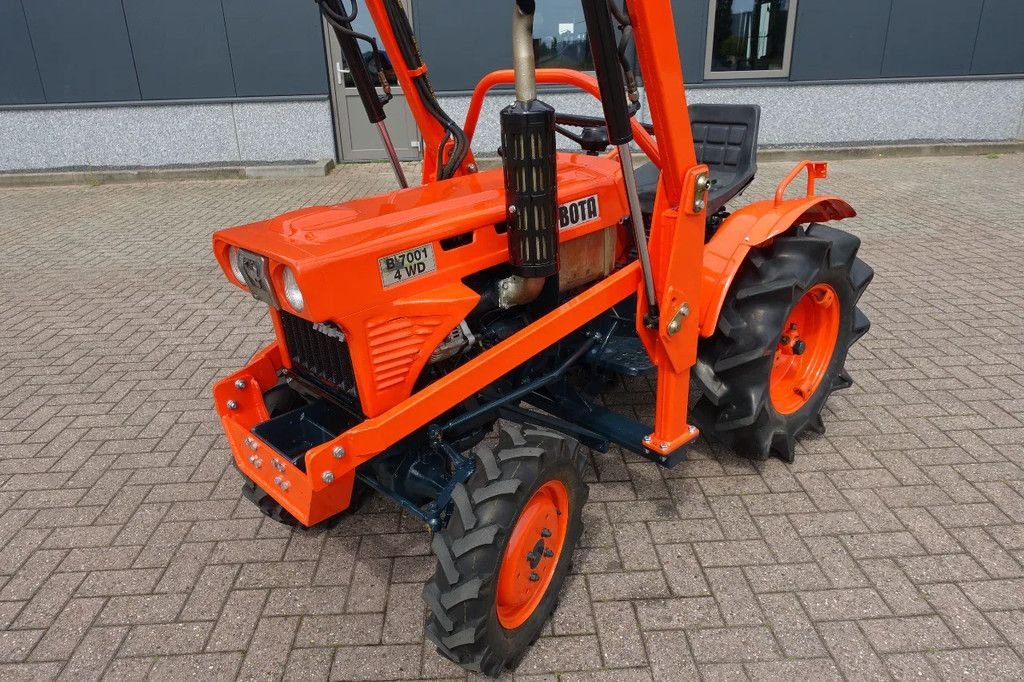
<point x="317" y="354"/>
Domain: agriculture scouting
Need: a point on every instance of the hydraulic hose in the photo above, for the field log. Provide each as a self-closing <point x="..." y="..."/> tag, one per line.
<point x="410" y="53"/>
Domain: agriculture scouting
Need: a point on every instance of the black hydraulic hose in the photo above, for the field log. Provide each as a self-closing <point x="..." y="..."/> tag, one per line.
<point x="411" y="54"/>
<point x="608" y="70"/>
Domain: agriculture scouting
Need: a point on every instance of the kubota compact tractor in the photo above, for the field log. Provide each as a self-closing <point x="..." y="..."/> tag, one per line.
<point x="409" y="324"/>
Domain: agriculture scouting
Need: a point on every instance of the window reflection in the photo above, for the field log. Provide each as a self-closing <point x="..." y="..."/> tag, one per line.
<point x="364" y="24"/>
<point x="749" y="35"/>
<point x="560" y="36"/>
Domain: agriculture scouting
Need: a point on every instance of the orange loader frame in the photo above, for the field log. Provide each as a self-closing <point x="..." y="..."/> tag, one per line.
<point x="691" y="280"/>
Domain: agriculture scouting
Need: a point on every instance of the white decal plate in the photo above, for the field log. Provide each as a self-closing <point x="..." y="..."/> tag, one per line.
<point x="578" y="212"/>
<point x="402" y="267"/>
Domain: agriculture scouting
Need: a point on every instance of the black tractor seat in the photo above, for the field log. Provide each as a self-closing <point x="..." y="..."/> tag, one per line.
<point x="725" y="139"/>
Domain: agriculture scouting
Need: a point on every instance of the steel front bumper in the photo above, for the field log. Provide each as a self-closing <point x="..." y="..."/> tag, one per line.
<point x="239" y="402"/>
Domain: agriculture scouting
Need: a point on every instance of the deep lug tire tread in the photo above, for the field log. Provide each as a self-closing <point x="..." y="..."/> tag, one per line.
<point x="460" y="596"/>
<point x="734" y="365"/>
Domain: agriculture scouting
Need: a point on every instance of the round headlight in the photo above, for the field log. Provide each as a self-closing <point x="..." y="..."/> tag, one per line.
<point x="234" y="257"/>
<point x="292" y="293"/>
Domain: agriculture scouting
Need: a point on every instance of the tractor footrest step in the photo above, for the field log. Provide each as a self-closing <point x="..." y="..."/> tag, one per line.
<point x="623" y="355"/>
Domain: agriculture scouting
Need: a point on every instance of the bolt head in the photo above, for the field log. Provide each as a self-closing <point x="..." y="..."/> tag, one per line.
<point x="240" y="384"/>
<point x="252" y="444"/>
<point x="327" y="477"/>
<point x="647" y="439"/>
<point x="692" y="429"/>
<point x="664" y="446"/>
<point x="339" y="452"/>
<point x="232" y="405"/>
<point x="285" y="485"/>
<point x="698" y="205"/>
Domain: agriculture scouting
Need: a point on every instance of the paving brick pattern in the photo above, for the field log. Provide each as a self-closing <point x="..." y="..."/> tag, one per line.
<point x="892" y="548"/>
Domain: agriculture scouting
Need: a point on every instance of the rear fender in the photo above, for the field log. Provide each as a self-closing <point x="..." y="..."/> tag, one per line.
<point x="752" y="226"/>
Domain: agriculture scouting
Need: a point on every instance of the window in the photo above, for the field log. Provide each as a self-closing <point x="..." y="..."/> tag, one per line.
<point x="750" y="38"/>
<point x="560" y="36"/>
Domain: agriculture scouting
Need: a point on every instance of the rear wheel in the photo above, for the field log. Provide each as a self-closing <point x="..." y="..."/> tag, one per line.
<point x="782" y="340"/>
<point x="506" y="550"/>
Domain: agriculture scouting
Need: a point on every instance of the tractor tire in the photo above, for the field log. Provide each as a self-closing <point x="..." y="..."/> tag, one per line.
<point x="506" y="549"/>
<point x="780" y="347"/>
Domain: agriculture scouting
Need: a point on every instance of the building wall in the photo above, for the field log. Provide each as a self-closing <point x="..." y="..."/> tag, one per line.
<point x="148" y="82"/>
<point x="165" y="135"/>
<point x="72" y="52"/>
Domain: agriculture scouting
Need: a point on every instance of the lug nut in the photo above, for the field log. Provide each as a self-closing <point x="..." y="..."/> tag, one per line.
<point x="232" y="405"/>
<point x="327" y="477"/>
<point x="240" y="384"/>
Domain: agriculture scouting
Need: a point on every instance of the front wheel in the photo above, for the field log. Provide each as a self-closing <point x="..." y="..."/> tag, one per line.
<point x="782" y="339"/>
<point x="506" y="550"/>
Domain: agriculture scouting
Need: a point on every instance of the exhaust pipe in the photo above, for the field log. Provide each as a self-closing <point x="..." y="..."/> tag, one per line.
<point x="528" y="144"/>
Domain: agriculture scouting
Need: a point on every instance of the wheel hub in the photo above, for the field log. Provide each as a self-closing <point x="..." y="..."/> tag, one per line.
<point x="532" y="553"/>
<point x="805" y="349"/>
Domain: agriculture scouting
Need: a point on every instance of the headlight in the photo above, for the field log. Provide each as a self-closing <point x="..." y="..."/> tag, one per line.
<point x="292" y="293"/>
<point x="234" y="257"/>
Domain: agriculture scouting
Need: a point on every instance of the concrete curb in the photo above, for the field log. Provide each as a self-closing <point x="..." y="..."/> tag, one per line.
<point x="322" y="168"/>
<point x="768" y="154"/>
<point x="794" y="154"/>
<point x="316" y="169"/>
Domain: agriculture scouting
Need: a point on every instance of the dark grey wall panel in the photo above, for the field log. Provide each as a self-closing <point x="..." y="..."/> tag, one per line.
<point x="692" y="33"/>
<point x="277" y="47"/>
<point x="83" y="50"/>
<point x="837" y="39"/>
<point x="1000" y="47"/>
<point x="19" y="77"/>
<point x="461" y="40"/>
<point x="929" y="38"/>
<point x="181" y="48"/>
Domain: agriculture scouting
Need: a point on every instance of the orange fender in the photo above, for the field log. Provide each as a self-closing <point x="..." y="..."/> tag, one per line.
<point x="753" y="226"/>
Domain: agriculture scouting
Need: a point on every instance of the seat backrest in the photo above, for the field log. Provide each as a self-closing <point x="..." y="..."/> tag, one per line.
<point x="725" y="139"/>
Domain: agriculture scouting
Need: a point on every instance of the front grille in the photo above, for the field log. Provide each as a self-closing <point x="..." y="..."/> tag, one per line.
<point x="317" y="354"/>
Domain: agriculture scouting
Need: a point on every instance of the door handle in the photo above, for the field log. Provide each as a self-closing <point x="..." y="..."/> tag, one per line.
<point x="340" y="72"/>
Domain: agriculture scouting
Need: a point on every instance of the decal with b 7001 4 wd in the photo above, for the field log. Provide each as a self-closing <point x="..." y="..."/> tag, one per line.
<point x="525" y="315"/>
<point x="401" y="267"/>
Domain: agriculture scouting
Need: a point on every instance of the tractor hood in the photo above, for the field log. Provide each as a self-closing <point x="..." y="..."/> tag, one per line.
<point x="344" y="257"/>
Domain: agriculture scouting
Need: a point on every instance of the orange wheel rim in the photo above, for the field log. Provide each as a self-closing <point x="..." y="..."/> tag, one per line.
<point x="805" y="349"/>
<point x="532" y="554"/>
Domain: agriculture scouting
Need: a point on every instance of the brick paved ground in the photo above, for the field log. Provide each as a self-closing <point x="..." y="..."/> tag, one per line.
<point x="894" y="547"/>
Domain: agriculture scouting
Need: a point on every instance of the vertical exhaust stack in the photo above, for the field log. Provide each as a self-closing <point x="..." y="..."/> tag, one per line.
<point x="528" y="141"/>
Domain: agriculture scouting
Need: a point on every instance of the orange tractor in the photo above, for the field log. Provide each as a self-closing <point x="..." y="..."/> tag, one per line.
<point x="409" y="325"/>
